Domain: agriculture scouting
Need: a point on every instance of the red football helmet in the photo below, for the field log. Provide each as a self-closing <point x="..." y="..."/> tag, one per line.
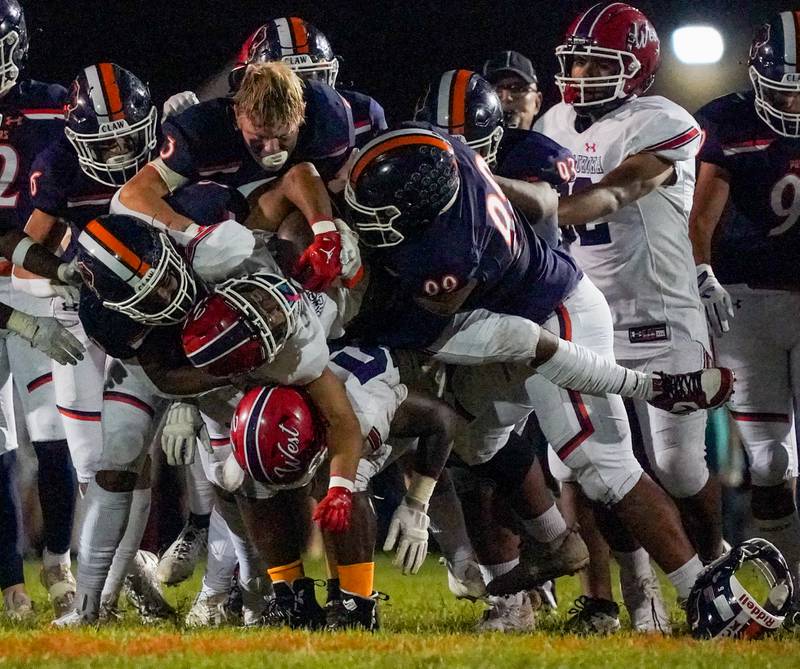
<point x="278" y="437"/>
<point x="617" y="32"/>
<point x="242" y="325"/>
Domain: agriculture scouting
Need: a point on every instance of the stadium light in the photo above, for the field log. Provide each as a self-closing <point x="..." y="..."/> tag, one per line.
<point x="697" y="45"/>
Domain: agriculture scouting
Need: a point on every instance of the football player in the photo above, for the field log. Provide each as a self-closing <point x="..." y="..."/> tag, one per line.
<point x="630" y="203"/>
<point x="514" y="79"/>
<point x="32" y="117"/>
<point x="745" y="244"/>
<point x="455" y="249"/>
<point x="247" y="140"/>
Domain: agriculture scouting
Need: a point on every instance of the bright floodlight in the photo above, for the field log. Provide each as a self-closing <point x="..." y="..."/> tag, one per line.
<point x="697" y="45"/>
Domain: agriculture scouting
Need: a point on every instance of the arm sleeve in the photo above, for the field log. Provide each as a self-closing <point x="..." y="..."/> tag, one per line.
<point x="178" y="151"/>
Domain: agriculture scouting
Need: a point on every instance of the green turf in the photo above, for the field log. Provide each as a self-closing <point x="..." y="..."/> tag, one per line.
<point x="423" y="626"/>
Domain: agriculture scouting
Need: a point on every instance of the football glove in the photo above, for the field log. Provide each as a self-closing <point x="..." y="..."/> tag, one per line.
<point x="408" y="530"/>
<point x="47" y="335"/>
<point x="177" y="103"/>
<point x="716" y="300"/>
<point x="350" y="258"/>
<point x="321" y="263"/>
<point x="333" y="512"/>
<point x="183" y="426"/>
<point x="217" y="252"/>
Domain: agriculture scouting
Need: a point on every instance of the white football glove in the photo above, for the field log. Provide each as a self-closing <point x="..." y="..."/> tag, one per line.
<point x="183" y="426"/>
<point x="218" y="252"/>
<point x="47" y="335"/>
<point x="408" y="530"/>
<point x="716" y="300"/>
<point x="350" y="256"/>
<point x="177" y="103"/>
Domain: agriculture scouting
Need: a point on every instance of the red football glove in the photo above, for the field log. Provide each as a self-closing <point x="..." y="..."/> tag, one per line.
<point x="333" y="512"/>
<point x="320" y="265"/>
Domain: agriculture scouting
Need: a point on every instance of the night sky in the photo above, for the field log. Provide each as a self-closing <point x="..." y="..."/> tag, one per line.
<point x="388" y="49"/>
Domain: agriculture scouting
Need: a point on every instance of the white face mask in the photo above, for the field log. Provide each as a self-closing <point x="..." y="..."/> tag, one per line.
<point x="274" y="161"/>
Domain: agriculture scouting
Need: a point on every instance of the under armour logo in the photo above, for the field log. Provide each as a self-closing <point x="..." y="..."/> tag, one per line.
<point x="738" y="304"/>
<point x="591" y="147"/>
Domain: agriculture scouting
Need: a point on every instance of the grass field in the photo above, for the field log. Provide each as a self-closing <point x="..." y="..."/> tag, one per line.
<point x="423" y="626"/>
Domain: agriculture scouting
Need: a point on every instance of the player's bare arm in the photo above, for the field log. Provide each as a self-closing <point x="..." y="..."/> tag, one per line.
<point x="710" y="196"/>
<point x="535" y="200"/>
<point x="341" y="425"/>
<point x="183" y="380"/>
<point x="144" y="195"/>
<point x="301" y="188"/>
<point x="635" y="177"/>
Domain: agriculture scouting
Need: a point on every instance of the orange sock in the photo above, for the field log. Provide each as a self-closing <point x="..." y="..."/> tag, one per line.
<point x="288" y="573"/>
<point x="357" y="578"/>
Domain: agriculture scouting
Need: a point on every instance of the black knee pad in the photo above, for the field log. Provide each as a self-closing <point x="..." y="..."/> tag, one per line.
<point x="510" y="464"/>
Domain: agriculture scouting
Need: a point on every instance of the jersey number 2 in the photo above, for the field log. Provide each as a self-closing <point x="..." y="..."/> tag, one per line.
<point x="8" y="176"/>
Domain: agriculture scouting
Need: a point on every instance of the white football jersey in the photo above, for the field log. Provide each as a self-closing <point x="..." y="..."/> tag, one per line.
<point x="640" y="257"/>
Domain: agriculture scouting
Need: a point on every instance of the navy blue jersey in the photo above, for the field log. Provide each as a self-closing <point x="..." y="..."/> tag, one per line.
<point x="757" y="239"/>
<point x="530" y="156"/>
<point x="59" y="187"/>
<point x="32" y="117"/>
<point x="207" y="203"/>
<point x="203" y="141"/>
<point x="481" y="238"/>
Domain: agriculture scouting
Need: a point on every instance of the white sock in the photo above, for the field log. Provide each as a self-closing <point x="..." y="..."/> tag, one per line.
<point x="684" y="577"/>
<point x="126" y="551"/>
<point x="546" y="527"/>
<point x="251" y="566"/>
<point x="55" y="559"/>
<point x="492" y="571"/>
<point x="636" y="563"/>
<point x="221" y="562"/>
<point x="199" y="490"/>
<point x="785" y="534"/>
<point x="578" y="368"/>
<point x="103" y="528"/>
<point x="448" y="526"/>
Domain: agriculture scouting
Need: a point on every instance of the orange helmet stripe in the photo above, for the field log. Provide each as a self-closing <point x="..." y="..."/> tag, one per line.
<point x="111" y="91"/>
<point x="393" y="143"/>
<point x="458" y="101"/>
<point x="127" y="257"/>
<point x="299" y="34"/>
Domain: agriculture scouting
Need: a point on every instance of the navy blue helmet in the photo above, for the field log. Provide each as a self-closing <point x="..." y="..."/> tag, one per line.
<point x="720" y="606"/>
<point x="774" y="73"/>
<point x="13" y="44"/>
<point x="111" y="122"/>
<point x="400" y="182"/>
<point x="134" y="269"/>
<point x="463" y="104"/>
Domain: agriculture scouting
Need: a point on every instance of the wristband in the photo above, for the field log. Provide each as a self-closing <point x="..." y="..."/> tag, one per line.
<point x="341" y="482"/>
<point x="322" y="226"/>
<point x="21" y="250"/>
<point x="421" y="488"/>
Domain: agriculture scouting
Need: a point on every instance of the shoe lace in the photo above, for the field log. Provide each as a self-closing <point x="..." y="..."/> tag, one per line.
<point x="676" y="386"/>
<point x="579" y="606"/>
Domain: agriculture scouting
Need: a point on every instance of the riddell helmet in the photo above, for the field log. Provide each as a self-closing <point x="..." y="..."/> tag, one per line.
<point x="13" y="44"/>
<point x="617" y="32"/>
<point x="400" y="182"/>
<point x="242" y="325"/>
<point x="111" y="122"/>
<point x="719" y="606"/>
<point x="277" y="436"/>
<point x="774" y="72"/>
<point x="294" y="41"/>
<point x="134" y="269"/>
<point x="463" y="104"/>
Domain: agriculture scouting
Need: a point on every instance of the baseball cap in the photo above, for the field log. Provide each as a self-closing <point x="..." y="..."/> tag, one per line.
<point x="509" y="61"/>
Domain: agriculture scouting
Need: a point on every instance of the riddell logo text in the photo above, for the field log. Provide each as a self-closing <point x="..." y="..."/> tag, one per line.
<point x="759" y="614"/>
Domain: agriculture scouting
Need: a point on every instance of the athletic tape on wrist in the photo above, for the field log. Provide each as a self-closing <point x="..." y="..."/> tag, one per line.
<point x="322" y="226"/>
<point x="341" y="482"/>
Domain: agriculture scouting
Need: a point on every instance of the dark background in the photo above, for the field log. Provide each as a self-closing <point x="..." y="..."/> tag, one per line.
<point x="388" y="49"/>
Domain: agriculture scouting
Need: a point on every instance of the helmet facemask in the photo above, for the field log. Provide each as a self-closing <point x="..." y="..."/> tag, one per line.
<point x="309" y="69"/>
<point x="769" y="95"/>
<point x="487" y="146"/>
<point x="9" y="69"/>
<point x="574" y="89"/>
<point x="118" y="151"/>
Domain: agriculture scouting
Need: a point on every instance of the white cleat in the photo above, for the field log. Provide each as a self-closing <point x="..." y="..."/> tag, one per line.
<point x="60" y="585"/>
<point x="71" y="619"/>
<point x="254" y="600"/>
<point x="508" y="613"/>
<point x="208" y="610"/>
<point x="179" y="560"/>
<point x="18" y="606"/>
<point x="645" y="604"/>
<point x="143" y="590"/>
<point x="465" y="580"/>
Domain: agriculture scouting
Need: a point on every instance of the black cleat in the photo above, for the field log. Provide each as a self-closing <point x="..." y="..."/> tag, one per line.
<point x="354" y="612"/>
<point x="592" y="615"/>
